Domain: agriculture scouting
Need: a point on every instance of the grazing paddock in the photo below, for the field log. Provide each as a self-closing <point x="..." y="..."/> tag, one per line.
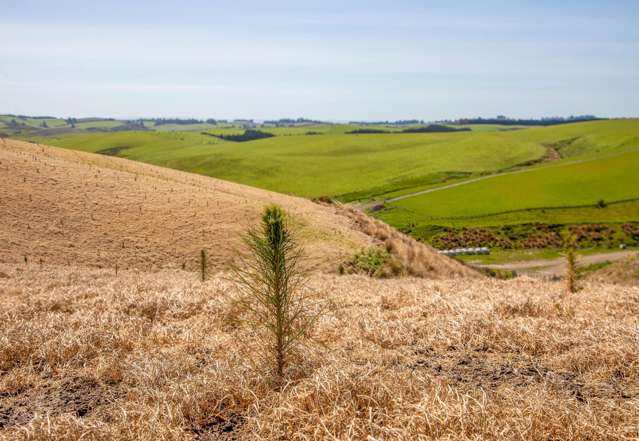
<point x="581" y="184"/>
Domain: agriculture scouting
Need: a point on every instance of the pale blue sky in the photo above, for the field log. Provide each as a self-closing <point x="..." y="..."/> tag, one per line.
<point x="333" y="60"/>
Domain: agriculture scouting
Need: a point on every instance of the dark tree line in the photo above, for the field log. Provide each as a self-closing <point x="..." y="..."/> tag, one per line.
<point x="248" y="135"/>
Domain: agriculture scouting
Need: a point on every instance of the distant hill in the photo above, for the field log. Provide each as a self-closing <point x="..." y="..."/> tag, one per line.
<point x="551" y="121"/>
<point x="431" y="128"/>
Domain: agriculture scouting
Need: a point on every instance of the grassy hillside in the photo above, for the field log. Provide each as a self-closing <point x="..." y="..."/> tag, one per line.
<point x="150" y="147"/>
<point x="316" y="165"/>
<point x="98" y="124"/>
<point x="63" y="207"/>
<point x="32" y="123"/>
<point x="583" y="183"/>
<point x="357" y="166"/>
<point x="536" y="208"/>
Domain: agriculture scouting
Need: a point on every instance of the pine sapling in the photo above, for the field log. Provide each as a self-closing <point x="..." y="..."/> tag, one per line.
<point x="203" y="264"/>
<point x="571" y="271"/>
<point x="271" y="278"/>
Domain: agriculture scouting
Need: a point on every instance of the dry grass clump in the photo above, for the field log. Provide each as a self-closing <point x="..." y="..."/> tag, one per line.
<point x="88" y="355"/>
<point x="409" y="257"/>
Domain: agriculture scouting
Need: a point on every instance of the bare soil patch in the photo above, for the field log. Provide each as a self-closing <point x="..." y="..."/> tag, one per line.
<point x="78" y="396"/>
<point x="492" y="371"/>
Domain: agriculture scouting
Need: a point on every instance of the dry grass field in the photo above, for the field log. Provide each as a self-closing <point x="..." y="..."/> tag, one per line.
<point x="64" y="207"/>
<point x="85" y="354"/>
<point x="73" y="208"/>
<point x="153" y="353"/>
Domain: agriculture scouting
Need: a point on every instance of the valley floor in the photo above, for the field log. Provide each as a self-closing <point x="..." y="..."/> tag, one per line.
<point x="86" y="354"/>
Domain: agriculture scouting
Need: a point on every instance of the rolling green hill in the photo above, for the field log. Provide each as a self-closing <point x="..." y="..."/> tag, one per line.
<point x="550" y="175"/>
<point x="316" y="165"/>
<point x="357" y="166"/>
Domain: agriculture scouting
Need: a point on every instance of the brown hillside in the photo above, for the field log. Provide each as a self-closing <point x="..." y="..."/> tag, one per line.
<point x="624" y="272"/>
<point x="66" y="207"/>
<point x="415" y="258"/>
<point x="72" y="208"/>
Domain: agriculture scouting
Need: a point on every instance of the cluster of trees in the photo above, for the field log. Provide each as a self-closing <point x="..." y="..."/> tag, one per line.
<point x="13" y="124"/>
<point x="435" y="128"/>
<point x="29" y="117"/>
<point x="248" y="135"/>
<point x="126" y="125"/>
<point x="186" y="121"/>
<point x="163" y="121"/>
<point x="366" y="131"/>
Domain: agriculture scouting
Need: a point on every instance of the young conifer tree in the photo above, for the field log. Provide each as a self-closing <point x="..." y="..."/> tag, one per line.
<point x="271" y="279"/>
<point x="203" y="265"/>
<point x="571" y="271"/>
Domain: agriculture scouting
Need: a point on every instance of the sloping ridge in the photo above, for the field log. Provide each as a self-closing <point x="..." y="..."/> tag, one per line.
<point x="623" y="272"/>
<point x="73" y="208"/>
<point x="415" y="258"/>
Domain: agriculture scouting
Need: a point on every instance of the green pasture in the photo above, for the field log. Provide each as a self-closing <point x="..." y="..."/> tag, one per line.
<point x="316" y="165"/>
<point x="357" y="167"/>
<point x="98" y="124"/>
<point x="35" y="123"/>
<point x="561" y="194"/>
<point x="152" y="147"/>
<point x="178" y="127"/>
